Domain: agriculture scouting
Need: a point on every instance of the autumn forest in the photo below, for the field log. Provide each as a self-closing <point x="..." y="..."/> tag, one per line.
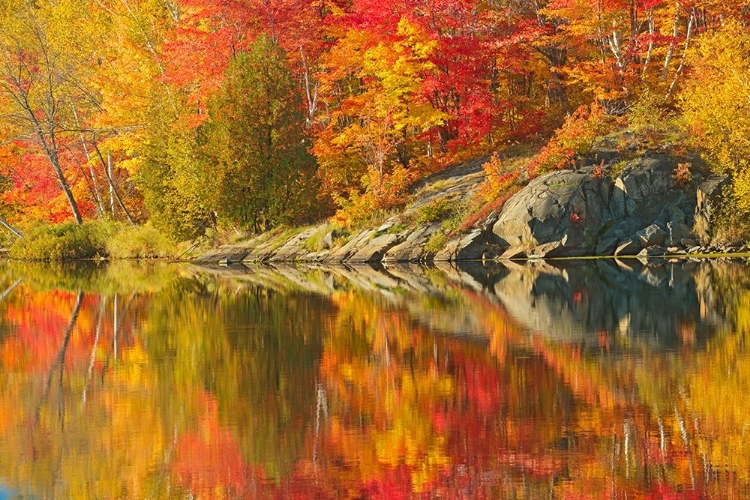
<point x="194" y="115"/>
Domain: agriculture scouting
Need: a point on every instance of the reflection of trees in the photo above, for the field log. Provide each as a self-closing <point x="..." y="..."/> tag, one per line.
<point x="439" y="413"/>
<point x="604" y="412"/>
<point x="72" y="405"/>
<point x="254" y="350"/>
<point x="217" y="388"/>
<point x="669" y="420"/>
<point x="123" y="277"/>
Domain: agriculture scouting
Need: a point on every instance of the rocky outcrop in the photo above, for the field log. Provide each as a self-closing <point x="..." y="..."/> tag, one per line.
<point x="555" y="215"/>
<point x="638" y="210"/>
<point x="584" y="212"/>
<point x="401" y="238"/>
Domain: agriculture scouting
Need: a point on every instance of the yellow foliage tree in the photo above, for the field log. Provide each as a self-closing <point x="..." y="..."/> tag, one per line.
<point x="376" y="129"/>
<point x="719" y="119"/>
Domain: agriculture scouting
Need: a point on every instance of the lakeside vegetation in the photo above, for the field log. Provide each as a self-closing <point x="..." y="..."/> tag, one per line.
<point x="157" y="127"/>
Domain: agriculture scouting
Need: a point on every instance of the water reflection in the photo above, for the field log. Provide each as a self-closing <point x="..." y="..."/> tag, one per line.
<point x="573" y="380"/>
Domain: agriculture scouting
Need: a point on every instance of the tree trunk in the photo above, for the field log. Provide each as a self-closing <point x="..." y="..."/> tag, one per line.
<point x="650" y="50"/>
<point x="65" y="187"/>
<point x="670" y="50"/>
<point x="60" y="359"/>
<point x="92" y="172"/>
<point x="111" y="185"/>
<point x="107" y="165"/>
<point x="10" y="228"/>
<point x="50" y="151"/>
<point x="684" y="56"/>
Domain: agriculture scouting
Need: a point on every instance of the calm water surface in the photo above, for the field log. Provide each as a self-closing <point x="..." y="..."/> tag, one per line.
<point x="574" y="380"/>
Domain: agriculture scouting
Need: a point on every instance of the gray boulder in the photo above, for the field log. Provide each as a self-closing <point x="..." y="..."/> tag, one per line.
<point x="628" y="247"/>
<point x="565" y="207"/>
<point x="328" y="239"/>
<point x="645" y="192"/>
<point x="372" y="250"/>
<point x="475" y="245"/>
<point x="607" y="245"/>
<point x="412" y="248"/>
<point x="678" y="231"/>
<point x="651" y="236"/>
<point x="708" y="199"/>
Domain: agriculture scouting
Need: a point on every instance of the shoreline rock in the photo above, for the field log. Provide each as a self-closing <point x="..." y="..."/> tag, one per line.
<point x="640" y="210"/>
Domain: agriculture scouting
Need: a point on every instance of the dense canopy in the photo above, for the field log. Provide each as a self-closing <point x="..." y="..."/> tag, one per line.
<point x="251" y="113"/>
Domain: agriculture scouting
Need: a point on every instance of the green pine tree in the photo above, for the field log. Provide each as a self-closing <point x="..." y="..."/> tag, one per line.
<point x="255" y="144"/>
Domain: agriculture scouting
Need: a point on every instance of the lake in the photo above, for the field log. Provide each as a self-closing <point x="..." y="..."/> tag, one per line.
<point x="570" y="379"/>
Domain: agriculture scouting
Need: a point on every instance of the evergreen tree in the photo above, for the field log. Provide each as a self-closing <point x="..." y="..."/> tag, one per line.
<point x="255" y="145"/>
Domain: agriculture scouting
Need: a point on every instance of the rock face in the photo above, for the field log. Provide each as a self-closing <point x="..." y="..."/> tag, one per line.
<point x="708" y="199"/>
<point x="574" y="213"/>
<point x="554" y="215"/>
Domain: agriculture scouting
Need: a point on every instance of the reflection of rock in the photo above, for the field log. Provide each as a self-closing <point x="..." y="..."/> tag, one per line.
<point x="564" y="300"/>
<point x="579" y="299"/>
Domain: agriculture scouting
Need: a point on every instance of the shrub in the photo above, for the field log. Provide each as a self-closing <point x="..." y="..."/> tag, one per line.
<point x="616" y="168"/>
<point x="139" y="242"/>
<point x="575" y="137"/>
<point x="64" y="242"/>
<point x="741" y="191"/>
<point x="649" y="119"/>
<point x="497" y="179"/>
<point x="436" y="211"/>
<point x="383" y="192"/>
<point x="682" y="175"/>
<point x="90" y="240"/>
<point x="482" y="213"/>
<point x="314" y="243"/>
<point x="732" y="223"/>
<point x="499" y="185"/>
<point x="436" y="242"/>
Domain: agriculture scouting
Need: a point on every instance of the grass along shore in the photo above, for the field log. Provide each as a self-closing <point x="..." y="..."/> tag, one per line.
<point x="94" y="240"/>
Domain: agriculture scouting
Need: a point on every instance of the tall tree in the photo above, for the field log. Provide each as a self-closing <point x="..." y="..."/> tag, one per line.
<point x="382" y="123"/>
<point x="255" y="143"/>
<point x="38" y="88"/>
<point x="169" y="174"/>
